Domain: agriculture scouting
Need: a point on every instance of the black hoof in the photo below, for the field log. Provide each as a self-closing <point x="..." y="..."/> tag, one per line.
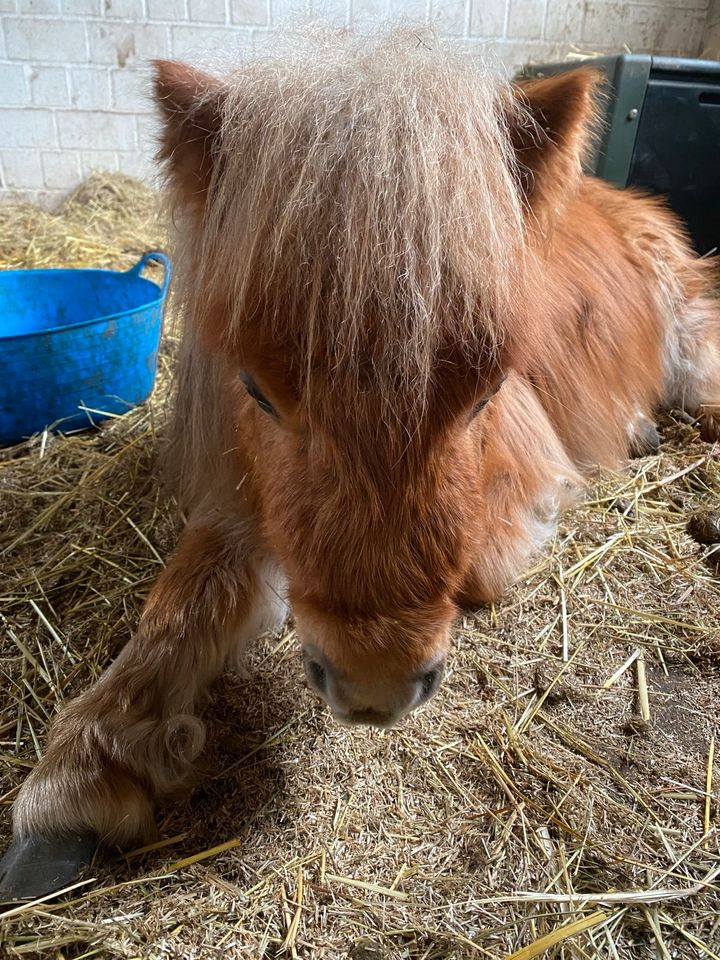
<point x="645" y="442"/>
<point x="35" y="866"/>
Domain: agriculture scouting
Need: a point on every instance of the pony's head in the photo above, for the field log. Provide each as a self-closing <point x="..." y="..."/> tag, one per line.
<point x="355" y="235"/>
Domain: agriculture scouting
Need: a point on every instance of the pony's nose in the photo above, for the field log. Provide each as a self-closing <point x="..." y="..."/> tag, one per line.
<point x="380" y="701"/>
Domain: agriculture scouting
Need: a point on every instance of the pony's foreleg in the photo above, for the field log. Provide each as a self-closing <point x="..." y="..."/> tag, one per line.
<point x="132" y="738"/>
<point x="528" y="481"/>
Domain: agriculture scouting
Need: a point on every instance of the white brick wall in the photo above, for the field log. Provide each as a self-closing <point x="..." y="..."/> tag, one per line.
<point x="73" y="73"/>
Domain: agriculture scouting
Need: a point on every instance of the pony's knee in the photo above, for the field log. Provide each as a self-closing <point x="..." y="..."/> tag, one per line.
<point x="692" y="361"/>
<point x="267" y="612"/>
<point x="509" y="552"/>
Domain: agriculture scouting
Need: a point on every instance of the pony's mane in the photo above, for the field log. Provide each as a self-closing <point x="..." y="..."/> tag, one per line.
<point x="364" y="209"/>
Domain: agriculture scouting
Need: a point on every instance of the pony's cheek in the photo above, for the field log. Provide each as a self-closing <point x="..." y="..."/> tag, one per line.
<point x="283" y="511"/>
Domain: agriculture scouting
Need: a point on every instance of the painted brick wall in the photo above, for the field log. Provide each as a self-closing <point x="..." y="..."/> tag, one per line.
<point x="73" y="73"/>
<point x="710" y="46"/>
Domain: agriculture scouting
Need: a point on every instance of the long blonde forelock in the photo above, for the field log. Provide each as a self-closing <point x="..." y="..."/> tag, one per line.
<point x="365" y="194"/>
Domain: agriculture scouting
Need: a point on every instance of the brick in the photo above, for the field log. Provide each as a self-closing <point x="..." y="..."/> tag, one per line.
<point x="412" y="10"/>
<point x="681" y="34"/>
<point x="477" y="48"/>
<point x="118" y="44"/>
<point x="207" y="11"/>
<point x="137" y="164"/>
<point x="82" y="8"/>
<point x="264" y="43"/>
<point x="338" y="11"/>
<point x="123" y="9"/>
<point x="290" y="8"/>
<point x="363" y="11"/>
<point x="487" y="18"/>
<point x="167" y="9"/>
<point x="525" y="18"/>
<point x="642" y="26"/>
<point x="91" y="160"/>
<point x="131" y="89"/>
<point x="28" y="128"/>
<point x="54" y="40"/>
<point x="89" y="130"/>
<point x="8" y="6"/>
<point x="255" y="12"/>
<point x="148" y="132"/>
<point x="89" y="88"/>
<point x="450" y="16"/>
<point x="711" y="35"/>
<point x="48" y="86"/>
<point x="189" y="43"/>
<point x="603" y="24"/>
<point x="60" y="168"/>
<point x="13" y="88"/>
<point x="564" y="20"/>
<point x="39" y="6"/>
<point x="646" y="28"/>
<point x="513" y="54"/>
<point x="22" y="169"/>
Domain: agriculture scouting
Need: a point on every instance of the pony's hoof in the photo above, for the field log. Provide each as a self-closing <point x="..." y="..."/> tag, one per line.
<point x="36" y="866"/>
<point x="646" y="440"/>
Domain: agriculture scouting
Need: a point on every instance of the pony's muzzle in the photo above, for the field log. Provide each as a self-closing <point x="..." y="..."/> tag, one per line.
<point x="379" y="701"/>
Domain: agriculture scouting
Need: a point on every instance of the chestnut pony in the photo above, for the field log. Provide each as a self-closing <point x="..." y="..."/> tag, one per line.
<point x="410" y="324"/>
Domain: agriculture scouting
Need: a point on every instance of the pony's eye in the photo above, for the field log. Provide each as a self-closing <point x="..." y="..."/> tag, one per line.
<point x="480" y="406"/>
<point x="486" y="400"/>
<point x="255" y="393"/>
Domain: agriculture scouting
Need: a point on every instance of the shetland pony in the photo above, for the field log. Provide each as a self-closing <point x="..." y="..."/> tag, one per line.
<point x="411" y="323"/>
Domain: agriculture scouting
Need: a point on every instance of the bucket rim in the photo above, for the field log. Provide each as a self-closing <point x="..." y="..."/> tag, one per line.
<point x="132" y="274"/>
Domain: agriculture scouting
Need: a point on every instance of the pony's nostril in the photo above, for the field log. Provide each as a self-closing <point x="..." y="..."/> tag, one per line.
<point x="316" y="673"/>
<point x="429" y="682"/>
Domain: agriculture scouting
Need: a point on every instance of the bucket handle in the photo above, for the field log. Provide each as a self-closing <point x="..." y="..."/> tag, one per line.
<point x="159" y="257"/>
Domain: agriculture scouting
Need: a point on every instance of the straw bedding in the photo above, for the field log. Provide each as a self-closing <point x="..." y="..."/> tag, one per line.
<point x="559" y="798"/>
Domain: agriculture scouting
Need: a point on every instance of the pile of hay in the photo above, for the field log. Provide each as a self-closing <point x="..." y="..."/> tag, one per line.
<point x="557" y="799"/>
<point x="107" y="222"/>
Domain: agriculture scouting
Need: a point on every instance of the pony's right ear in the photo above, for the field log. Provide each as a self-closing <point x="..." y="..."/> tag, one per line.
<point x="550" y="131"/>
<point x="190" y="103"/>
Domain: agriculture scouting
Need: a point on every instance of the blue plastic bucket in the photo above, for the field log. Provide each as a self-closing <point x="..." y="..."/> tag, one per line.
<point x="76" y="346"/>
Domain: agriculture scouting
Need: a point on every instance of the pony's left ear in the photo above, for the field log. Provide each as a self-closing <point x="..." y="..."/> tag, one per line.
<point x="190" y="103"/>
<point x="551" y="131"/>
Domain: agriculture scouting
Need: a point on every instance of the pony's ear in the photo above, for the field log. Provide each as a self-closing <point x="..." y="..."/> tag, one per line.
<point x="190" y="103"/>
<point x="551" y="132"/>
